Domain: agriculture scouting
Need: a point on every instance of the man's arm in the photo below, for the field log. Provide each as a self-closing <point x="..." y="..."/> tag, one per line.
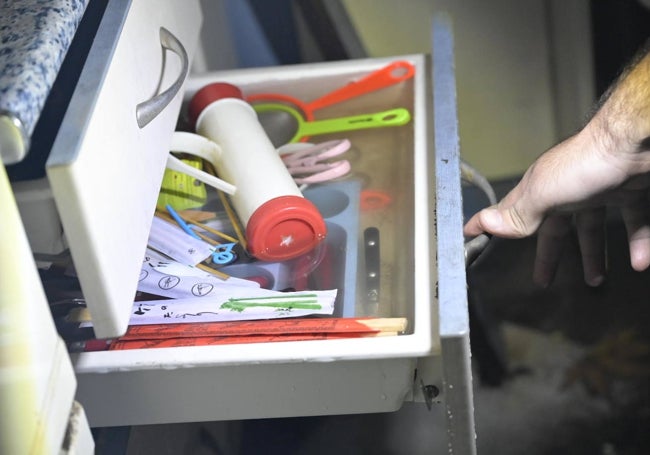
<point x="605" y="163"/>
<point x="624" y="111"/>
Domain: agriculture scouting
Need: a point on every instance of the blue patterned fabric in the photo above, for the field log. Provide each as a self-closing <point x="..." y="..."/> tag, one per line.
<point x="34" y="38"/>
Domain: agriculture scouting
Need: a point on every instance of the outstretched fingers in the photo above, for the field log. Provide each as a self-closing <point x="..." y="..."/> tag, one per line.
<point x="637" y="224"/>
<point x="592" y="237"/>
<point x="550" y="244"/>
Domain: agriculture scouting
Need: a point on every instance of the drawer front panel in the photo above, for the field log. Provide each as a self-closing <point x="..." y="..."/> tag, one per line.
<point x="236" y="392"/>
<point x="105" y="170"/>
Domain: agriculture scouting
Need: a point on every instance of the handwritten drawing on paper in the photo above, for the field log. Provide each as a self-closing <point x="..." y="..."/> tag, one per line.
<point x="167" y="278"/>
<point x="234" y="304"/>
<point x="198" y="296"/>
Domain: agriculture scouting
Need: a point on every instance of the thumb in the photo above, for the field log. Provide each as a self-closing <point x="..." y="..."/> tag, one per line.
<point x="509" y="222"/>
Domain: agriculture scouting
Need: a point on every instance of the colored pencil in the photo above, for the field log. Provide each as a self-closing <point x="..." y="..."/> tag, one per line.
<point x="289" y="326"/>
<point x="244" y="339"/>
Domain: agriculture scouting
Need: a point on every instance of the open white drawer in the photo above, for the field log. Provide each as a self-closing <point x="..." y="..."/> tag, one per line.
<point x="308" y="377"/>
<point x="395" y="165"/>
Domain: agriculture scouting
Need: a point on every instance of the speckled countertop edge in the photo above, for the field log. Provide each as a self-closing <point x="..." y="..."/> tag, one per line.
<point x="34" y="38"/>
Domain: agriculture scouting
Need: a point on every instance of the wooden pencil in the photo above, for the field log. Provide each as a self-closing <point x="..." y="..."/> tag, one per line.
<point x="213" y="231"/>
<point x="123" y="344"/>
<point x="233" y="219"/>
<point x="217" y="273"/>
<point x="266" y="327"/>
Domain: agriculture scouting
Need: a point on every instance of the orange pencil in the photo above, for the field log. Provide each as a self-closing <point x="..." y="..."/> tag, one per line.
<point x="211" y="341"/>
<point x="265" y="327"/>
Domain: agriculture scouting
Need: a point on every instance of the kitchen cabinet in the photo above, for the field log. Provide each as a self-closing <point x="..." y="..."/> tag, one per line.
<point x="105" y="171"/>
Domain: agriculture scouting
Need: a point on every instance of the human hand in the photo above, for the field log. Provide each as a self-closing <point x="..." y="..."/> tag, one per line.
<point x="606" y="163"/>
<point x="578" y="177"/>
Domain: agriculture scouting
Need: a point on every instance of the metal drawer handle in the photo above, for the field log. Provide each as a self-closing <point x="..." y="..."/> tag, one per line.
<point x="146" y="111"/>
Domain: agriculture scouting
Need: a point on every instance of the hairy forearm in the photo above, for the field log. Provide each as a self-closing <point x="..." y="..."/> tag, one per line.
<point x="623" y="119"/>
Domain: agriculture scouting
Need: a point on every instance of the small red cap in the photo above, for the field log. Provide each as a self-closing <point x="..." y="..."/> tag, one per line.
<point x="284" y="228"/>
<point x="208" y="95"/>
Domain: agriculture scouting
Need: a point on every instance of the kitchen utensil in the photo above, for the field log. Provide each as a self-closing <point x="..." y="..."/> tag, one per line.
<point x="202" y="147"/>
<point x="373" y="264"/>
<point x="308" y="164"/>
<point x="391" y="74"/>
<point x="280" y="223"/>
<point x="181" y="190"/>
<point x="294" y="127"/>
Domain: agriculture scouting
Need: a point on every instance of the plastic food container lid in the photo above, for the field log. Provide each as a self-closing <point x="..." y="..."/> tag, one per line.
<point x="284" y="228"/>
<point x="208" y="95"/>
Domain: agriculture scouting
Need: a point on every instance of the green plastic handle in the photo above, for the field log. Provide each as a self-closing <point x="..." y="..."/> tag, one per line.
<point x="392" y="117"/>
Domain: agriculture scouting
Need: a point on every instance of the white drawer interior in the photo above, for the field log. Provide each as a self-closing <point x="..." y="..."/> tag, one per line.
<point x="253" y="380"/>
<point x="392" y="161"/>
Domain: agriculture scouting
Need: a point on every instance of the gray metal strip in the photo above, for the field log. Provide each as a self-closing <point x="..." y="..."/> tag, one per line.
<point x="452" y="281"/>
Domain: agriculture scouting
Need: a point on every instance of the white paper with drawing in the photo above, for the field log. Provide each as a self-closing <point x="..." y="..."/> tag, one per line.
<point x="175" y="243"/>
<point x="234" y="305"/>
<point x="167" y="278"/>
<point x="197" y="296"/>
